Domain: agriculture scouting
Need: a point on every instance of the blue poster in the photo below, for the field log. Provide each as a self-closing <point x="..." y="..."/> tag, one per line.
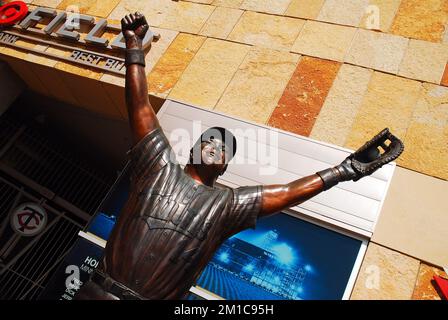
<point x="284" y="258"/>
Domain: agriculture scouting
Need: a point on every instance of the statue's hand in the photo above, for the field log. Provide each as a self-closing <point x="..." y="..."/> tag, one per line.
<point x="134" y="26"/>
<point x="380" y="150"/>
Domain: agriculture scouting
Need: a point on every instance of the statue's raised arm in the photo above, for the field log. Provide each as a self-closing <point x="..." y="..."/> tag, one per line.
<point x="142" y="117"/>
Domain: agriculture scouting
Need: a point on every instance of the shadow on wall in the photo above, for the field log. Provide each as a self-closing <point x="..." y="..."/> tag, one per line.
<point x="11" y="86"/>
<point x="102" y="141"/>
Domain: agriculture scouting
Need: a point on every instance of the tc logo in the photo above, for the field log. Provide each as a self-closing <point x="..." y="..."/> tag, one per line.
<point x="12" y="13"/>
<point x="28" y="219"/>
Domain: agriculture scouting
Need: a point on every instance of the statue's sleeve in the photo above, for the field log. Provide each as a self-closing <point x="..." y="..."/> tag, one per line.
<point x="246" y="206"/>
<point x="152" y="153"/>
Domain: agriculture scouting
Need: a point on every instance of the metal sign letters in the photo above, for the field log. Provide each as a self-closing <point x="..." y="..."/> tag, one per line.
<point x="47" y="27"/>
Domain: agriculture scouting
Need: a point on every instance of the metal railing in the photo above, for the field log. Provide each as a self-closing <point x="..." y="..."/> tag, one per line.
<point x="35" y="169"/>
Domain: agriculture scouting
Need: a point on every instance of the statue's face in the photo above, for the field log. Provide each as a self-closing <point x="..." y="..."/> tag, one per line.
<point x="213" y="152"/>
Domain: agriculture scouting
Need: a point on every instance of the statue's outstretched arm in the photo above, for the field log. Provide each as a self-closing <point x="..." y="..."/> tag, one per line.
<point x="142" y="117"/>
<point x="382" y="149"/>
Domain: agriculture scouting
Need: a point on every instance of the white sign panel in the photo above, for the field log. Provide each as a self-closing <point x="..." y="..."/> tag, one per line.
<point x="270" y="156"/>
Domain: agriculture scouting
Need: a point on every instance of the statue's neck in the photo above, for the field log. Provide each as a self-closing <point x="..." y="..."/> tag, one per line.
<point x="202" y="176"/>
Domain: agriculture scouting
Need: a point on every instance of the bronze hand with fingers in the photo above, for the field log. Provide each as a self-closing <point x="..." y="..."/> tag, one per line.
<point x="134" y="27"/>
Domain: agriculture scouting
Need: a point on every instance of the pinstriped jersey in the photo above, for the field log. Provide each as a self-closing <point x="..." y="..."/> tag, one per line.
<point x="172" y="225"/>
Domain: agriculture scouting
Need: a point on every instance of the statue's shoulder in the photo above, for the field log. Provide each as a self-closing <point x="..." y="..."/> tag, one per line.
<point x="224" y="189"/>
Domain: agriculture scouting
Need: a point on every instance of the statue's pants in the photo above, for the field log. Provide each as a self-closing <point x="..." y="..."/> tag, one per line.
<point x="92" y="291"/>
<point x="102" y="287"/>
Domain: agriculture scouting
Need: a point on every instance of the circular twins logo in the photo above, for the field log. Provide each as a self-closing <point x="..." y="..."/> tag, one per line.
<point x="29" y="219"/>
<point x="12" y="13"/>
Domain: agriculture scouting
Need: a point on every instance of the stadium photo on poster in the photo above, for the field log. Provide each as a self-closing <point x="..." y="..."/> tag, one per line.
<point x="284" y="258"/>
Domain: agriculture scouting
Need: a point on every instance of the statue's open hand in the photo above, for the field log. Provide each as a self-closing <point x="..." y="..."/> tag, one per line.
<point x="134" y="25"/>
<point x="382" y="149"/>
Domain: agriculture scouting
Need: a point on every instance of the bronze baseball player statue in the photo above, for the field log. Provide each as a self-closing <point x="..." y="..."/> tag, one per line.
<point x="175" y="219"/>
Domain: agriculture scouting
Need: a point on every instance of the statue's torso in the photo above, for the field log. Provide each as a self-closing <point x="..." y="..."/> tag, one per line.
<point x="171" y="225"/>
<point x="164" y="235"/>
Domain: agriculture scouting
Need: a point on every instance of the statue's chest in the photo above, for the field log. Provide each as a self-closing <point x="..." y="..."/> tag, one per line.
<point x="188" y="209"/>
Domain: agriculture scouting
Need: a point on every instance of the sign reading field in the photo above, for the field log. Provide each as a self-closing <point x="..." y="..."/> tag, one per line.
<point x="44" y="25"/>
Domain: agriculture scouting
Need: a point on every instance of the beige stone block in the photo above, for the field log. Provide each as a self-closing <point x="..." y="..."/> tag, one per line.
<point x="99" y="8"/>
<point x="83" y="71"/>
<point x="15" y="53"/>
<point x="413" y="219"/>
<point x="91" y="95"/>
<point x="26" y="1"/>
<point x="385" y="275"/>
<point x="268" y="6"/>
<point x="155" y="11"/>
<point x="267" y="30"/>
<point x="380" y="14"/>
<point x="389" y="102"/>
<point x="228" y="3"/>
<point x="202" y="1"/>
<point x="424" y="61"/>
<point x="258" y="85"/>
<point x="429" y="145"/>
<point x="307" y="9"/>
<point x="114" y="79"/>
<point x="47" y="3"/>
<point x="187" y="17"/>
<point x="117" y="95"/>
<point x="221" y="22"/>
<point x="55" y="86"/>
<point x="424" y="20"/>
<point x="209" y="73"/>
<point x="173" y="63"/>
<point x="159" y="47"/>
<point x="342" y="104"/>
<point x="376" y="50"/>
<point x="26" y="55"/>
<point x="324" y="40"/>
<point x="424" y="287"/>
<point x="73" y="68"/>
<point x="426" y="139"/>
<point x="304" y="95"/>
<point x="21" y="62"/>
<point x="346" y="12"/>
<point x="157" y="50"/>
<point x="41" y="59"/>
<point x="445" y="35"/>
<point x="23" y="69"/>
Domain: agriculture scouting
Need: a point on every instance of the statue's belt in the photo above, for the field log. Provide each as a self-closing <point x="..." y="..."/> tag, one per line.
<point x="116" y="288"/>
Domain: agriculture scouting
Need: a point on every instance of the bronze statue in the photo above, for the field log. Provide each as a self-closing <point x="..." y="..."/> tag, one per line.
<point x="174" y="219"/>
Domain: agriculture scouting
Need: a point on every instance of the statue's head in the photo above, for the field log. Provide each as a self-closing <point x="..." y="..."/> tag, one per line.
<point x="214" y="149"/>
